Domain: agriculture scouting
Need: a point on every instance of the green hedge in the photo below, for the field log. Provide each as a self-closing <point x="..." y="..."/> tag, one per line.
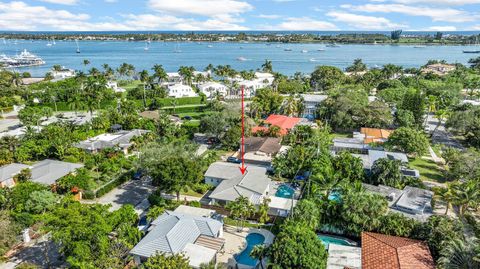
<point x="113" y="184"/>
<point x="180" y="101"/>
<point x="63" y="106"/>
<point x="200" y="108"/>
<point x="88" y="195"/>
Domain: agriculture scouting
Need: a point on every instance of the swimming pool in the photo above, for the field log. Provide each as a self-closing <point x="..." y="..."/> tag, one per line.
<point x="327" y="240"/>
<point x="335" y="196"/>
<point x="285" y="191"/>
<point x="244" y="258"/>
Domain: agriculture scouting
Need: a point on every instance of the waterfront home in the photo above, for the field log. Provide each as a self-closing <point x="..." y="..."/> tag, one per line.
<point x="439" y="69"/>
<point x="284" y="122"/>
<point x="45" y="172"/>
<point x="198" y="238"/>
<point x="261" y="150"/>
<point x="8" y="172"/>
<point x="62" y="73"/>
<point x="264" y="77"/>
<point x="175" y="78"/>
<point x="231" y="184"/>
<point x="180" y="90"/>
<point x="386" y="251"/>
<point x="114" y="86"/>
<point x="412" y="202"/>
<point x="119" y="140"/>
<point x="211" y="89"/>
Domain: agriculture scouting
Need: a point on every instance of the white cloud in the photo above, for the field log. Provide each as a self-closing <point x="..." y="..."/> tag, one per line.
<point x="209" y="8"/>
<point x="442" y="28"/>
<point x="62" y="2"/>
<point x="436" y="14"/>
<point x="21" y="16"/>
<point x="435" y="2"/>
<point x="302" y="23"/>
<point x="283" y="1"/>
<point x="363" y="22"/>
<point x="268" y="16"/>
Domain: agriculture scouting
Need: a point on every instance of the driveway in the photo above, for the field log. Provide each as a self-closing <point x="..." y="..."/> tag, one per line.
<point x="134" y="192"/>
<point x="441" y="135"/>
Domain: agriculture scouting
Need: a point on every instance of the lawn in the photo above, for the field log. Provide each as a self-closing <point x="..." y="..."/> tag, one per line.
<point x="342" y="135"/>
<point x="429" y="170"/>
<point x="127" y="85"/>
<point x="195" y="115"/>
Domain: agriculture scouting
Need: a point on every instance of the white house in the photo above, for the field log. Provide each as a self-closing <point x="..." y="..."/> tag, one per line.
<point x="180" y="90"/>
<point x="63" y="73"/>
<point x="211" y="88"/>
<point x="265" y="78"/>
<point x="114" y="86"/>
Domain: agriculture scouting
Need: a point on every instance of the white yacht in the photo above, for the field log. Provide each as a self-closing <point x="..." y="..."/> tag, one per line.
<point x="241" y="59"/>
<point x="24" y="59"/>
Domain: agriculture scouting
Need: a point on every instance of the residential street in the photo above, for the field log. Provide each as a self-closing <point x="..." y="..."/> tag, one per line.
<point x="441" y="135"/>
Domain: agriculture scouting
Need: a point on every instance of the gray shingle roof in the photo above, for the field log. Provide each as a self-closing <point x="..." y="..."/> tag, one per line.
<point x="49" y="171"/>
<point x="10" y="170"/>
<point x="171" y="232"/>
<point x="233" y="185"/>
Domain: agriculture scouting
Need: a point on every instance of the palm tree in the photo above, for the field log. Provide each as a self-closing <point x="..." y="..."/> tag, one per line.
<point x="85" y="63"/>
<point x="159" y="73"/>
<point x="459" y="254"/>
<point x="187" y="73"/>
<point x="267" y="66"/>
<point x="174" y="103"/>
<point x="259" y="252"/>
<point x="75" y="102"/>
<point x="241" y="209"/>
<point x="465" y="195"/>
<point x="447" y="195"/>
<point x="290" y="105"/>
<point x="144" y="78"/>
<point x="93" y="93"/>
<point x="16" y="79"/>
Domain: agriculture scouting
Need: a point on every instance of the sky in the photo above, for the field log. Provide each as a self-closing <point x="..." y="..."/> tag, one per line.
<point x="284" y="15"/>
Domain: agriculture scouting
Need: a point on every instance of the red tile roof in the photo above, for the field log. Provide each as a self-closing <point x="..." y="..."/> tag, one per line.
<point x="392" y="252"/>
<point x="375" y="135"/>
<point x="284" y="122"/>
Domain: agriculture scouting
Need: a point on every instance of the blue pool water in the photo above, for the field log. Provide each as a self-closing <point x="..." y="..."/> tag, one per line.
<point x="253" y="239"/>
<point x="285" y="191"/>
<point x="327" y="240"/>
<point x="334" y="196"/>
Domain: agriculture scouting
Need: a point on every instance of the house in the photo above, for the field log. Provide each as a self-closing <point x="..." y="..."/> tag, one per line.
<point x="264" y="77"/>
<point x="386" y="251"/>
<point x="180" y="90"/>
<point x="198" y="238"/>
<point x="280" y="206"/>
<point x="8" y="172"/>
<point x="284" y="122"/>
<point x="261" y="80"/>
<point x="261" y="150"/>
<point x="62" y="73"/>
<point x="210" y="89"/>
<point x="121" y="140"/>
<point x="311" y="102"/>
<point x="231" y="184"/>
<point x="49" y="171"/>
<point x="411" y="201"/>
<point x="45" y="172"/>
<point x="439" y="69"/>
<point x="194" y="211"/>
<point x="374" y="135"/>
<point x="175" y="77"/>
<point x="372" y="156"/>
<point x="114" y="86"/>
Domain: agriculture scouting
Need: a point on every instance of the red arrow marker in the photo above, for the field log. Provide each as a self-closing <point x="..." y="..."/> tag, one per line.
<point x="243" y="168"/>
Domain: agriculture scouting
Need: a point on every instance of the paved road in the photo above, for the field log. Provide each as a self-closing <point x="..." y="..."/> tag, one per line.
<point x="134" y="192"/>
<point x="441" y="135"/>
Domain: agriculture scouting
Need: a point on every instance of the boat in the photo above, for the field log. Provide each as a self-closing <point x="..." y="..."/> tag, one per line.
<point x="304" y="51"/>
<point x="277" y="46"/>
<point x="333" y="45"/>
<point x="53" y="39"/>
<point x="147" y="47"/>
<point x="177" y="49"/>
<point x="320" y="49"/>
<point x="24" y="59"/>
<point x="313" y="60"/>
<point x="49" y="44"/>
<point x="471" y="51"/>
<point x="241" y="59"/>
<point x="288" y="49"/>
<point x="419" y="47"/>
<point x="209" y="46"/>
<point x="78" y="47"/>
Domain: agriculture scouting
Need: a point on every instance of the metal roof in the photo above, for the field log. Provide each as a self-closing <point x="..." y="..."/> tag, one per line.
<point x="49" y="171"/>
<point x="10" y="170"/>
<point x="171" y="232"/>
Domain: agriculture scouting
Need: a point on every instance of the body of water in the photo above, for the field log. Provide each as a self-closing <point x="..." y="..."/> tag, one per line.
<point x="286" y="58"/>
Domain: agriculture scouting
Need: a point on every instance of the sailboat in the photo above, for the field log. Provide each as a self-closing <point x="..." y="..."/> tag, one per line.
<point x="54" y="41"/>
<point x="473" y="51"/>
<point x="49" y="44"/>
<point x="147" y="47"/>
<point x="78" y="47"/>
<point x="177" y="49"/>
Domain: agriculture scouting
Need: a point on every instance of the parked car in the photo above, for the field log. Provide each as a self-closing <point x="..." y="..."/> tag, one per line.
<point x="143" y="224"/>
<point x="232" y="159"/>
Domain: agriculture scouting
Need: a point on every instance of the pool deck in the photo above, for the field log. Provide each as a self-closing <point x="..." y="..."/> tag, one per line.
<point x="276" y="184"/>
<point x="235" y="242"/>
